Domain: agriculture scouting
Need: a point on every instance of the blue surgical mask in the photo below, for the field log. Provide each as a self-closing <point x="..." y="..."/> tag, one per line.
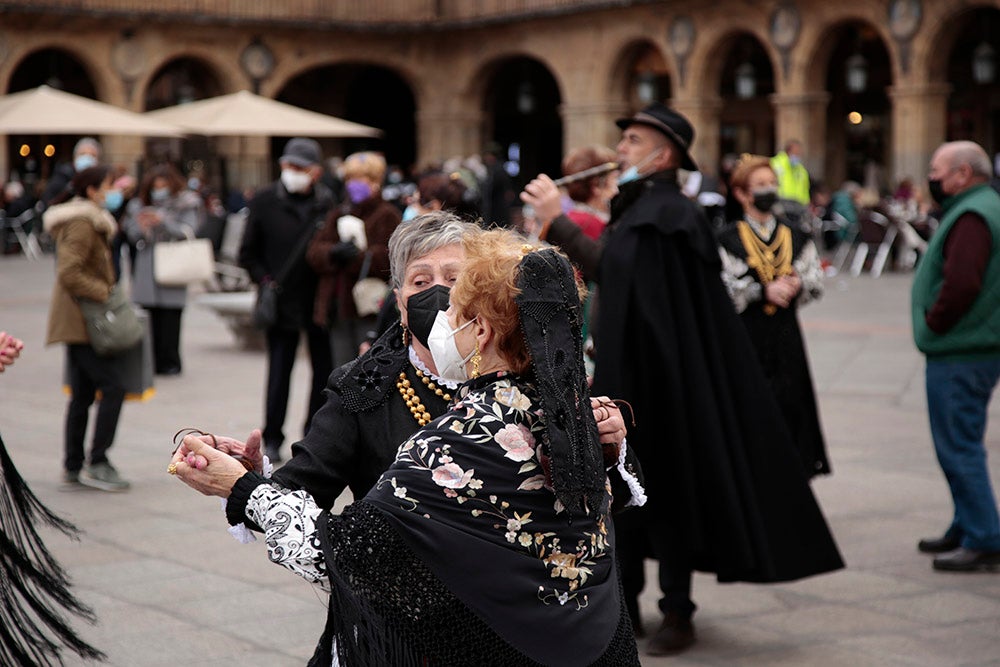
<point x="113" y="200"/>
<point x="410" y="212"/>
<point x="159" y="195"/>
<point x="795" y="160"/>
<point x="84" y="161"/>
<point x="629" y="175"/>
<point x="632" y="173"/>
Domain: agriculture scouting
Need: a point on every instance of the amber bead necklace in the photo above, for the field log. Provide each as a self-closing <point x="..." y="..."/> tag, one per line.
<point x="413" y="402"/>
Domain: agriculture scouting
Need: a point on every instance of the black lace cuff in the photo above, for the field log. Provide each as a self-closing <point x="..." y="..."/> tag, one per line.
<point x="239" y="496"/>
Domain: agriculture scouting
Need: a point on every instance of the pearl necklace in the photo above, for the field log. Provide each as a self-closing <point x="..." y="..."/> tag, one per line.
<point x="409" y="394"/>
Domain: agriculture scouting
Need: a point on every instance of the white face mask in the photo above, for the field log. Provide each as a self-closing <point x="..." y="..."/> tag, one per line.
<point x="295" y="181"/>
<point x="444" y="351"/>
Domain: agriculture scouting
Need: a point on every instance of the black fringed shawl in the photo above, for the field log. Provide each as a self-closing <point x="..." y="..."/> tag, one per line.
<point x="33" y="587"/>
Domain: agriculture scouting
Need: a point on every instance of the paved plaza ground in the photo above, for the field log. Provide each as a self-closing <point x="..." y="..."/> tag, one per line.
<point x="171" y="587"/>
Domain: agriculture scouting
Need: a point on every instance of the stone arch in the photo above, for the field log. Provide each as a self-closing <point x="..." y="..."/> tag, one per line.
<point x="858" y="140"/>
<point x="745" y="117"/>
<point x="638" y="63"/>
<point x="932" y="54"/>
<point x="825" y="41"/>
<point x="61" y="66"/>
<point x="365" y="91"/>
<point x="500" y="87"/>
<point x="96" y="76"/>
<point x="227" y="74"/>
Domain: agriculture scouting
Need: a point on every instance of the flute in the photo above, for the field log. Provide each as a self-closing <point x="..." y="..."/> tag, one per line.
<point x="587" y="173"/>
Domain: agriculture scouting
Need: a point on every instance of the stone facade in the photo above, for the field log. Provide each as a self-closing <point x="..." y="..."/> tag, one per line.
<point x="592" y="52"/>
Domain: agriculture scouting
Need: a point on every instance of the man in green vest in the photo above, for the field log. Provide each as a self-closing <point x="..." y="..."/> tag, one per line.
<point x="956" y="324"/>
<point x="793" y="179"/>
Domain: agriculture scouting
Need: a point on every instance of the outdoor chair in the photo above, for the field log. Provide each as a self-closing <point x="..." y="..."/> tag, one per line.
<point x="876" y="234"/>
<point x="21" y="229"/>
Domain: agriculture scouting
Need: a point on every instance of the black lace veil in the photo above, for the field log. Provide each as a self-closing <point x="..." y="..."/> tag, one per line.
<point x="551" y="320"/>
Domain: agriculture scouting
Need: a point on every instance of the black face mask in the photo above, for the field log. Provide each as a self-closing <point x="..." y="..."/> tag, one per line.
<point x="765" y="201"/>
<point x="937" y="192"/>
<point x="422" y="309"/>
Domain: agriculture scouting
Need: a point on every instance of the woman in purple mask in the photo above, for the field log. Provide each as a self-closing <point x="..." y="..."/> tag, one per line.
<point x="341" y="252"/>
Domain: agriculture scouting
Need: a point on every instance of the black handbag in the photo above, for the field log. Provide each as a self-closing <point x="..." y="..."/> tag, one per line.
<point x="112" y="325"/>
<point x="265" y="310"/>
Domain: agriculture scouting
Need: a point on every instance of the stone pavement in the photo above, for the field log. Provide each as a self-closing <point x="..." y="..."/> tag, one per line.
<point x="171" y="587"/>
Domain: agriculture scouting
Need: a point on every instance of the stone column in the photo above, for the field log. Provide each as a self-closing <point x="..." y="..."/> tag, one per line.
<point x="591" y="123"/>
<point x="919" y="125"/>
<point x="703" y="113"/>
<point x="802" y="116"/>
<point x="442" y="133"/>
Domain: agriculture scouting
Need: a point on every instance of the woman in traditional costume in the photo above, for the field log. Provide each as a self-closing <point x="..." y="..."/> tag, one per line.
<point x="488" y="541"/>
<point x="770" y="270"/>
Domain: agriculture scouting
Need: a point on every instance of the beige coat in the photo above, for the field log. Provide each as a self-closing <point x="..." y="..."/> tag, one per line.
<point x="82" y="232"/>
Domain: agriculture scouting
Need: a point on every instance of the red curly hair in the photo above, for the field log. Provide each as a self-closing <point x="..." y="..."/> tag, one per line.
<point x="487" y="286"/>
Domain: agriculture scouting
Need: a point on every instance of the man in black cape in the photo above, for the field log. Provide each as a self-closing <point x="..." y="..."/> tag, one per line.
<point x="726" y="491"/>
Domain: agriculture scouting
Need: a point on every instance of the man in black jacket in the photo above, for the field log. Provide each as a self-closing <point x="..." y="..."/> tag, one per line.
<point x="283" y="216"/>
<point x="726" y="490"/>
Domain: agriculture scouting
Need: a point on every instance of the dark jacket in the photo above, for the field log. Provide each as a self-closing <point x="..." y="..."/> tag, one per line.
<point x="723" y="480"/>
<point x="276" y="222"/>
<point x="333" y="294"/>
<point x="354" y="436"/>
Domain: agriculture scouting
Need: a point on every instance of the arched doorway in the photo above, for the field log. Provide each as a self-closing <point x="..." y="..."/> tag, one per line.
<point x="746" y="81"/>
<point x="974" y="102"/>
<point x="179" y="81"/>
<point x="644" y="77"/>
<point x="369" y="94"/>
<point x="523" y="124"/>
<point x="859" y="131"/>
<point x="32" y="158"/>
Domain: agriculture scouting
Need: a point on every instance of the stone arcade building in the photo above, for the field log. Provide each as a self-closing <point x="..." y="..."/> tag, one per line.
<point x="869" y="86"/>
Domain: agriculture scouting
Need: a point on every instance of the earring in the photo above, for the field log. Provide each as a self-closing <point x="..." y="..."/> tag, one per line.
<point x="406" y="336"/>
<point x="476" y="358"/>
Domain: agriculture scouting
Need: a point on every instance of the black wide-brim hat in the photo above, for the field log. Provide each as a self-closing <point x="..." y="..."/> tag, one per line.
<point x="675" y="126"/>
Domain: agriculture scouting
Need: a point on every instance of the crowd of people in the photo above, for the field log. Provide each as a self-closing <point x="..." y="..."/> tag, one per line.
<point x="456" y="340"/>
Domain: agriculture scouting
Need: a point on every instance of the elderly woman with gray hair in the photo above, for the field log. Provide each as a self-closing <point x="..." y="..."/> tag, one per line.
<point x="381" y="398"/>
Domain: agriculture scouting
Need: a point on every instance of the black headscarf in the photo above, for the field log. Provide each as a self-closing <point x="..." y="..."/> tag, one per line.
<point x="550" y="309"/>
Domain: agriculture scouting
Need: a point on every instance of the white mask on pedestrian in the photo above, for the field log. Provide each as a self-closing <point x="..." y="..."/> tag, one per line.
<point x="448" y="360"/>
<point x="295" y="181"/>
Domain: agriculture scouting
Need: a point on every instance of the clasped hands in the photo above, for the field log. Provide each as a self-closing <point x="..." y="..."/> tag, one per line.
<point x="10" y="349"/>
<point x="212" y="464"/>
<point x="782" y="290"/>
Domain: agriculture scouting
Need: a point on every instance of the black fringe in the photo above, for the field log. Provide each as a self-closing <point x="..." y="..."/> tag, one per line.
<point x="33" y="587"/>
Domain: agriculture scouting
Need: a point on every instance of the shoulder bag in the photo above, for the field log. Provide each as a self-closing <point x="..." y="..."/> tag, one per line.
<point x="112" y="326"/>
<point x="183" y="262"/>
<point x="265" y="310"/>
<point x="368" y="292"/>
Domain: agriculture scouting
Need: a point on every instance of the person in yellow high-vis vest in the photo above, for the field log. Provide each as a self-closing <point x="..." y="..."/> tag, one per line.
<point x="793" y="179"/>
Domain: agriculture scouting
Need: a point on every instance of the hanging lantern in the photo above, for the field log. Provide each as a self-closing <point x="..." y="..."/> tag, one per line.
<point x="984" y="64"/>
<point x="857" y="73"/>
<point x="525" y="98"/>
<point x="645" y="87"/>
<point x="746" y="81"/>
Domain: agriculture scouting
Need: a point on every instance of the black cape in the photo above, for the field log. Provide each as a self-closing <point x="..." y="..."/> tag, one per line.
<point x="722" y="475"/>
<point x="781" y="352"/>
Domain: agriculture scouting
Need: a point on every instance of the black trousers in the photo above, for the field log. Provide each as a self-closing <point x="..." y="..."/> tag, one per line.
<point x="89" y="373"/>
<point x="282" y="345"/>
<point x="639" y="535"/>
<point x="165" y="328"/>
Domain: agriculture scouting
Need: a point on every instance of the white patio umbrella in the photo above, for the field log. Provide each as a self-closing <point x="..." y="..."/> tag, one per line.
<point x="46" y="110"/>
<point x="248" y="115"/>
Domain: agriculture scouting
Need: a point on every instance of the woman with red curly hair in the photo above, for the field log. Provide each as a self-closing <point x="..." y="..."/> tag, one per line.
<point x="489" y="540"/>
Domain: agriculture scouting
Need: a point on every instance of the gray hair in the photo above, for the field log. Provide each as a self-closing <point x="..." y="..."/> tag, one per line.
<point x="13" y="190"/>
<point x="87" y="142"/>
<point x="972" y="154"/>
<point x="422" y="236"/>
